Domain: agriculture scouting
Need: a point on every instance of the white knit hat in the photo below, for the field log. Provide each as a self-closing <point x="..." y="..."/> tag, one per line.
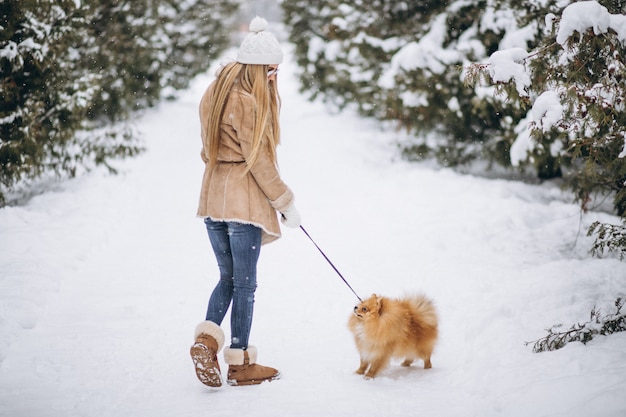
<point x="259" y="47"/>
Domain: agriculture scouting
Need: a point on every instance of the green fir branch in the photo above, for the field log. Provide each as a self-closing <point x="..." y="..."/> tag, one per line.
<point x="582" y="332"/>
<point x="610" y="238"/>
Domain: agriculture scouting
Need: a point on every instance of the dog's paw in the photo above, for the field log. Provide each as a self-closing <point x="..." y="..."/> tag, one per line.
<point x="370" y="375"/>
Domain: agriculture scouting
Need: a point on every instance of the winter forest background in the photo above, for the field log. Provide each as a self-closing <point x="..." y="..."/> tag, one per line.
<point x="498" y="87"/>
<point x="487" y="86"/>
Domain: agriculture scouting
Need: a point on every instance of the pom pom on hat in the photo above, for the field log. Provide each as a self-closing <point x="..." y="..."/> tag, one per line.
<point x="259" y="46"/>
<point x="258" y="24"/>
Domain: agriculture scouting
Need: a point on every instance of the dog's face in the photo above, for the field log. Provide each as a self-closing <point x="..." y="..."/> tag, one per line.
<point x="368" y="308"/>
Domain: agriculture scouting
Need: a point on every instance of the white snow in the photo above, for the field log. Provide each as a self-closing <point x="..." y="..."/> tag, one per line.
<point x="413" y="99"/>
<point x="547" y="110"/>
<point x="618" y="24"/>
<point x="523" y="143"/>
<point x="104" y="279"/>
<point x="580" y="16"/>
<point x="507" y="65"/>
<point x="427" y="54"/>
<point x="9" y="51"/>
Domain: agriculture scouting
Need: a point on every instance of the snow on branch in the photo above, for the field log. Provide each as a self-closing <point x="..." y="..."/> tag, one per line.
<point x="508" y="65"/>
<point x="597" y="325"/>
<point x="584" y="15"/>
<point x="547" y="110"/>
<point x="509" y="70"/>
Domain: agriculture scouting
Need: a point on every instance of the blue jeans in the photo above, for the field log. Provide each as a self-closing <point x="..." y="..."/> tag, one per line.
<point x="237" y="247"/>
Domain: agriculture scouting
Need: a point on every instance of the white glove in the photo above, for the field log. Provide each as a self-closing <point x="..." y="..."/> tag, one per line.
<point x="291" y="217"/>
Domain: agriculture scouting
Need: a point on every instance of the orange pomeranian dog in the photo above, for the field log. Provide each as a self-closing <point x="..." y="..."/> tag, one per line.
<point x="386" y="328"/>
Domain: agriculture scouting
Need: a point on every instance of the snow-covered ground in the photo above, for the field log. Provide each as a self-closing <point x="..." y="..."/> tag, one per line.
<point x="103" y="280"/>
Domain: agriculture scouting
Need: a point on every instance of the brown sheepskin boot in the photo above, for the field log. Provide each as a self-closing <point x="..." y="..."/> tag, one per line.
<point x="209" y="341"/>
<point x="243" y="369"/>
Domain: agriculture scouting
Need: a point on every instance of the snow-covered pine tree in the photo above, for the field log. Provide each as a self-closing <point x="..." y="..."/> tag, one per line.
<point x="44" y="93"/>
<point x="141" y="47"/>
<point x="120" y="49"/>
<point x="343" y="47"/>
<point x="424" y="81"/>
<point x="198" y="32"/>
<point x="576" y="83"/>
<point x="401" y="61"/>
<point x="68" y="67"/>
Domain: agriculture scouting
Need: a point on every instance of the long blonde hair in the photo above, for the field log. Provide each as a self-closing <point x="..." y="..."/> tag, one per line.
<point x="253" y="80"/>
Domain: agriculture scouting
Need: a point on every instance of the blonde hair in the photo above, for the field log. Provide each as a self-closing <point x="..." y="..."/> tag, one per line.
<point x="253" y="80"/>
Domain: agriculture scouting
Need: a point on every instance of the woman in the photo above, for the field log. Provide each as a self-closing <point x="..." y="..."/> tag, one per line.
<point x="242" y="194"/>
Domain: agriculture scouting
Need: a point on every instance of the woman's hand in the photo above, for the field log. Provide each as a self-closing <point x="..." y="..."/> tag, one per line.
<point x="291" y="217"/>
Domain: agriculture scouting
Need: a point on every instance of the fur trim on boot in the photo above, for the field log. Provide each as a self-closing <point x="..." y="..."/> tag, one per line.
<point x="211" y="329"/>
<point x="243" y="369"/>
<point x="209" y="341"/>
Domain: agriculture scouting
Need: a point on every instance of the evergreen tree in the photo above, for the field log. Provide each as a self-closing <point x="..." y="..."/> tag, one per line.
<point x="44" y="94"/>
<point x="199" y="31"/>
<point x="140" y="47"/>
<point x="402" y="62"/>
<point x="343" y="47"/>
<point x="580" y="74"/>
<point x="70" y="67"/>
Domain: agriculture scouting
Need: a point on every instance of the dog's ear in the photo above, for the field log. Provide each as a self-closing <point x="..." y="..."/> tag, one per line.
<point x="379" y="304"/>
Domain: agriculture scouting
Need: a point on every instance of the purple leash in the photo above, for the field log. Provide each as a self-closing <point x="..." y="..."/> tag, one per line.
<point x="331" y="264"/>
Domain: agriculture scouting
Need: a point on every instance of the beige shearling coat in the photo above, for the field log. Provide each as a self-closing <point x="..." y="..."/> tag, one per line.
<point x="228" y="192"/>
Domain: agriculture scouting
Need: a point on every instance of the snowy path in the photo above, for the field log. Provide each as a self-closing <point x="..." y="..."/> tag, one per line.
<point x="103" y="281"/>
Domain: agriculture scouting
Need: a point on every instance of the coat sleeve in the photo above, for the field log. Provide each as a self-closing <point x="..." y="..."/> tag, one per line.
<point x="264" y="170"/>
<point x="203" y="111"/>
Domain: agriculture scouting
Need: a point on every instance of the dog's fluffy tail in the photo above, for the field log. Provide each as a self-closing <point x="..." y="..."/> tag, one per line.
<point x="425" y="309"/>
